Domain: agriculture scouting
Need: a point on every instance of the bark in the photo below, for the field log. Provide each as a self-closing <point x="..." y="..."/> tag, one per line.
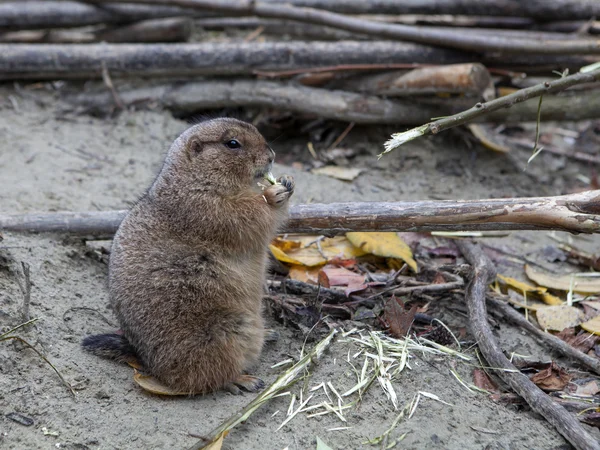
<point x="175" y="29"/>
<point x="576" y="213"/>
<point x="18" y="61"/>
<point x="483" y="274"/>
<point x="188" y="98"/>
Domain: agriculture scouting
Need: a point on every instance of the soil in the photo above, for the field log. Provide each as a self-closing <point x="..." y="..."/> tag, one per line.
<point x="55" y="160"/>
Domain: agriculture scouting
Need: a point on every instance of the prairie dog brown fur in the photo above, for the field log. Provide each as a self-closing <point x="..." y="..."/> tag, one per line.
<point x="188" y="262"/>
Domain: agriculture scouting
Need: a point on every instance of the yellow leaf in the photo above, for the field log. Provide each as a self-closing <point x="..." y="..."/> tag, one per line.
<point x="286" y="245"/>
<point x="581" y="285"/>
<point x="559" y="317"/>
<point x="151" y="384"/>
<point x="311" y="255"/>
<point x="592" y="325"/>
<point x="386" y="244"/>
<point x="521" y="287"/>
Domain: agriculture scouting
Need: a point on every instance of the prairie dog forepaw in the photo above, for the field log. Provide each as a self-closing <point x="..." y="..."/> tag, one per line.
<point x="278" y="194"/>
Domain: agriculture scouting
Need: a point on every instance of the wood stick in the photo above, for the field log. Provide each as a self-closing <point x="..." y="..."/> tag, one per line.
<point x="53" y="61"/>
<point x="177" y="29"/>
<point x="481" y="109"/>
<point x="483" y="273"/>
<point x="470" y="79"/>
<point x="189" y="98"/>
<point x="29" y="15"/>
<point x="424" y="35"/>
<point x="19" y="14"/>
<point x="548" y="339"/>
<point x="577" y="213"/>
<point x="25" y="287"/>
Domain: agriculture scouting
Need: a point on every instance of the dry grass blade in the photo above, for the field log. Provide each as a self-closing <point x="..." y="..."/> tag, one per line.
<point x="282" y="382"/>
<point x="7" y="336"/>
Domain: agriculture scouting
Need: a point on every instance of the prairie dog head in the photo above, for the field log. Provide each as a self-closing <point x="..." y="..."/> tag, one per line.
<point x="220" y="155"/>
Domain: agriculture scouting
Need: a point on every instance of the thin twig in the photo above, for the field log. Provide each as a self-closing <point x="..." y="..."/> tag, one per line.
<point x="550" y="340"/>
<point x="481" y="109"/>
<point x="109" y="84"/>
<point x="25" y="287"/>
<point x="483" y="273"/>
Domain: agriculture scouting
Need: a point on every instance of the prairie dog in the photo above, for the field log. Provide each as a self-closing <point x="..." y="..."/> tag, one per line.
<point x="188" y="262"/>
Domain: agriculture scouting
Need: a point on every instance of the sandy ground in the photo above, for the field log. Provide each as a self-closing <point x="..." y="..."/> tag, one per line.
<point x="51" y="160"/>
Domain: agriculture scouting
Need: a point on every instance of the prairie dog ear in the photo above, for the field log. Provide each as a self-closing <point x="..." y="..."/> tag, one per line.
<point x="194" y="147"/>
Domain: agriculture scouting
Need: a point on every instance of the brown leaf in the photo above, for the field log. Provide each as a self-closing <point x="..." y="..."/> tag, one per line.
<point x="398" y="318"/>
<point x="582" y="341"/>
<point x="483" y="381"/>
<point x="338" y="276"/>
<point x="553" y="378"/>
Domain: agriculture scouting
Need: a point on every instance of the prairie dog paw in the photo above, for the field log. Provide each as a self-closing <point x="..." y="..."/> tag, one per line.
<point x="278" y="194"/>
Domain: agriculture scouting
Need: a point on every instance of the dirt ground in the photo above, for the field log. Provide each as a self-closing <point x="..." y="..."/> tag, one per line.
<point x="51" y="160"/>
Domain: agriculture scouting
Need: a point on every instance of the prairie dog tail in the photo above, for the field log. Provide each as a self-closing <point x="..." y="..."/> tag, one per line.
<point x="111" y="345"/>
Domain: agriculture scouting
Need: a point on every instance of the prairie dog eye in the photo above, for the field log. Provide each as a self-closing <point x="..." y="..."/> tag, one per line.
<point x="233" y="144"/>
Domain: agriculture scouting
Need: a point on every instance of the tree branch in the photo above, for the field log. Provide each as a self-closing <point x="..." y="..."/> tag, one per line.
<point x="560" y="418"/>
<point x="481" y="109"/>
<point x="424" y="35"/>
<point x="577" y="213"/>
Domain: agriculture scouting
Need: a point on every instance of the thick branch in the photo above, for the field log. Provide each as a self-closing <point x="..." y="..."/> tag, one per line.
<point x="189" y="98"/>
<point x="425" y="35"/>
<point x="176" y="29"/>
<point x="561" y="419"/>
<point x="84" y="61"/>
<point x="481" y="109"/>
<point x="578" y="213"/>
<point x="46" y="14"/>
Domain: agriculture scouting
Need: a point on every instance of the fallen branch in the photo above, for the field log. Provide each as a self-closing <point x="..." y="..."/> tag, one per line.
<point x="177" y="29"/>
<point x="424" y="35"/>
<point x="481" y="109"/>
<point x="550" y="340"/>
<point x="576" y="213"/>
<point x="189" y="98"/>
<point x="75" y="61"/>
<point x="28" y="15"/>
<point x="483" y="274"/>
<point x="60" y="14"/>
<point x="283" y="382"/>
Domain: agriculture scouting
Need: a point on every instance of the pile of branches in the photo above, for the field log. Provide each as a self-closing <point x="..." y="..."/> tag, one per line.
<point x="361" y="61"/>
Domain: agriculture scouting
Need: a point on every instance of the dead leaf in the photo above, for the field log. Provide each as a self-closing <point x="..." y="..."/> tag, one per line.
<point x="340" y="173"/>
<point x="488" y="138"/>
<point x="338" y="276"/>
<point x="316" y="251"/>
<point x="398" y="318"/>
<point x="592" y="326"/>
<point x="285" y="245"/>
<point x="582" y="341"/>
<point x="581" y="285"/>
<point x="304" y="274"/>
<point x="483" y="381"/>
<point x="590" y="388"/>
<point x="592" y="304"/>
<point x="151" y="384"/>
<point x="559" y="317"/>
<point x="521" y="287"/>
<point x="553" y="378"/>
<point x="386" y="244"/>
